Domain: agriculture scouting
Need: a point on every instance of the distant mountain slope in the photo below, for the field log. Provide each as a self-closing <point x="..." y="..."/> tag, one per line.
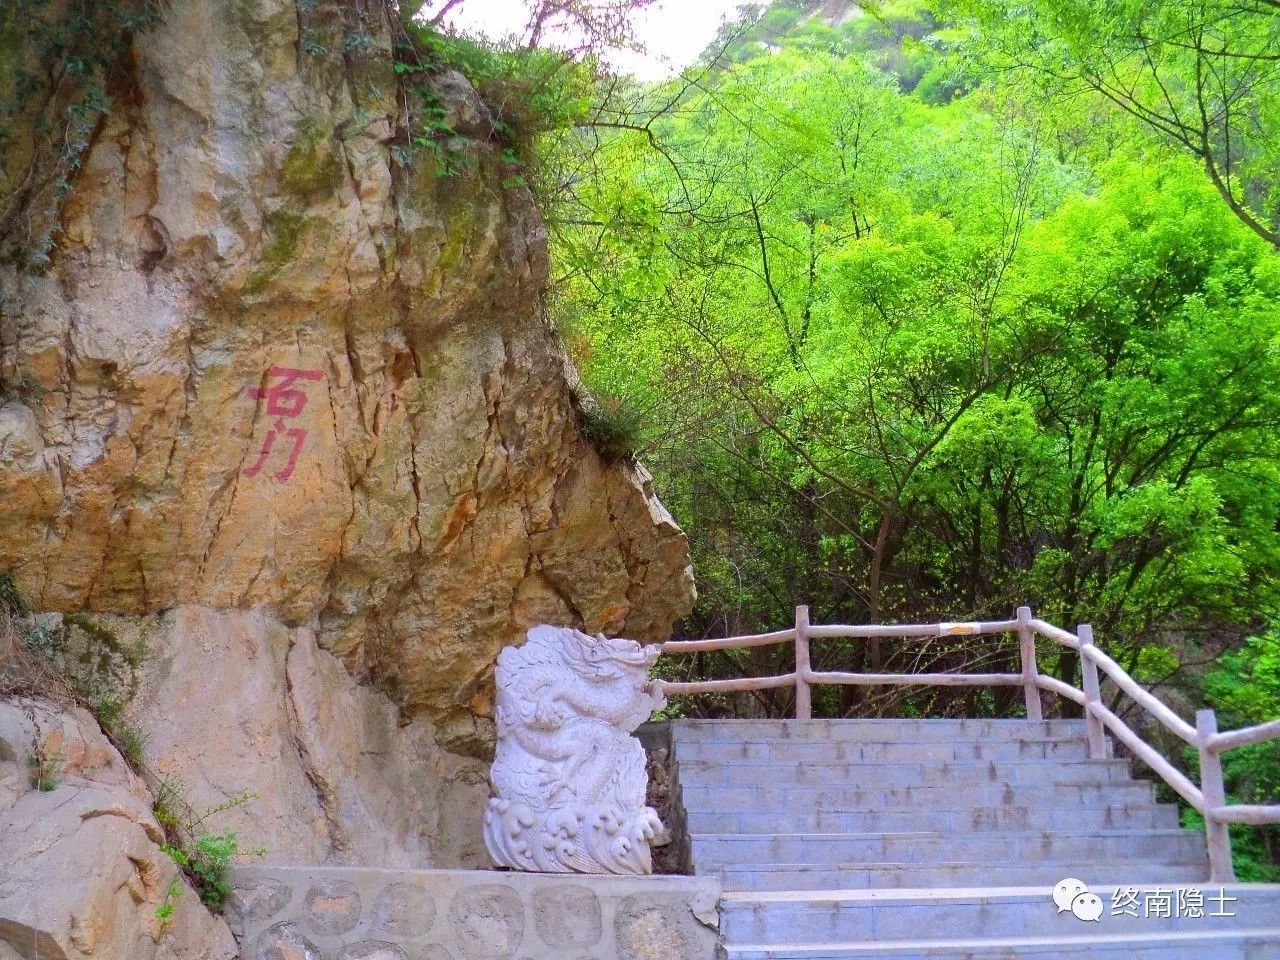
<point x="902" y="38"/>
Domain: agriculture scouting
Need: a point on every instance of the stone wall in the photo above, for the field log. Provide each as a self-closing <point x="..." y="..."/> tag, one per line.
<point x="331" y="913"/>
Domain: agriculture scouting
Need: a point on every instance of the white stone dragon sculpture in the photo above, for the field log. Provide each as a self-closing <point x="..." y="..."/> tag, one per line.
<point x="569" y="779"/>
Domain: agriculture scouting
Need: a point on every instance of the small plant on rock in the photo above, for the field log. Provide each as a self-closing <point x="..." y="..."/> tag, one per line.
<point x="614" y="427"/>
<point x="127" y="737"/>
<point x="44" y="766"/>
<point x="204" y="857"/>
<point x="206" y="862"/>
<point x="164" y="912"/>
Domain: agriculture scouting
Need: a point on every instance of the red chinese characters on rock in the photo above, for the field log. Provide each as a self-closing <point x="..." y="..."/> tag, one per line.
<point x="284" y="401"/>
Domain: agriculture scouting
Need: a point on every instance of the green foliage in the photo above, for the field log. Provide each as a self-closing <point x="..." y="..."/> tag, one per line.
<point x="10" y="597"/>
<point x="531" y="92"/>
<point x="1200" y="76"/>
<point x="126" y="735"/>
<point x="168" y="903"/>
<point x="913" y="356"/>
<point x="1245" y="689"/>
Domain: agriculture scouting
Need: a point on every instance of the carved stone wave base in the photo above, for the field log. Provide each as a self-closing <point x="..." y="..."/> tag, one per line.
<point x="569" y="779"/>
<point x="357" y="913"/>
<point x="589" y="840"/>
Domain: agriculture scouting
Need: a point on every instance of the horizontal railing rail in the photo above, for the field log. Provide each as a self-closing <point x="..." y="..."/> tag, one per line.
<point x="1209" y="797"/>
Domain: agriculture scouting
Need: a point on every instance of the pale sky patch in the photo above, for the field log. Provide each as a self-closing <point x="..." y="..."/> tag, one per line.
<point x="673" y="32"/>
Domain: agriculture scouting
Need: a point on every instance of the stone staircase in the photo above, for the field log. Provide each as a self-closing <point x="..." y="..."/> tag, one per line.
<point x="910" y="839"/>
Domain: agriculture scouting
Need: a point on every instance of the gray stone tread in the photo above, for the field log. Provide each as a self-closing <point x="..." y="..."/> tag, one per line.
<point x="888" y="916"/>
<point x="1262" y="944"/>
<point x="953" y="873"/>
<point x="889" y="723"/>
<point x="805" y="796"/>
<point x="933" y="894"/>
<point x="945" y="768"/>
<point x="1170" y="832"/>
<point x="957" y="818"/>
<point x="730" y="772"/>
<point x="1084" y="871"/>
<point x="1011" y="848"/>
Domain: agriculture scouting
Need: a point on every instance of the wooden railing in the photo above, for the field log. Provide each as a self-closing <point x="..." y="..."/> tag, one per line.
<point x="1209" y="798"/>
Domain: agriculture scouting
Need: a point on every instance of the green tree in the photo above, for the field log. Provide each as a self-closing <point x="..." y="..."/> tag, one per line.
<point x="1201" y="74"/>
<point x="912" y="361"/>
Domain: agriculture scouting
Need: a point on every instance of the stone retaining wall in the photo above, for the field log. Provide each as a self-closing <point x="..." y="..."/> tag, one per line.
<point x="350" y="913"/>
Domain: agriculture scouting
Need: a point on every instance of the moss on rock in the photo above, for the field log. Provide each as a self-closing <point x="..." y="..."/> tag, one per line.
<point x="312" y="165"/>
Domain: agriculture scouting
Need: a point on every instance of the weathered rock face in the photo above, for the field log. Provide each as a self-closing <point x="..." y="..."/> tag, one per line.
<point x="81" y="869"/>
<point x="233" y="701"/>
<point x="285" y="405"/>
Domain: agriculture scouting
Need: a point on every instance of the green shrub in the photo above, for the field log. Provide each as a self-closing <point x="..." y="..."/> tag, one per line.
<point x="127" y="737"/>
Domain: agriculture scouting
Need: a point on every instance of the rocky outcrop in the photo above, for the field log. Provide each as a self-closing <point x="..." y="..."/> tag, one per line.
<point x="81" y="870"/>
<point x="285" y="408"/>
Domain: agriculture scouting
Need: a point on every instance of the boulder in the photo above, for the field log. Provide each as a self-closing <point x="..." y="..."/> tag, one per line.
<point x="81" y="870"/>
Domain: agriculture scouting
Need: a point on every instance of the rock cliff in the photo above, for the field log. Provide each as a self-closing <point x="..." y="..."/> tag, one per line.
<point x="282" y="418"/>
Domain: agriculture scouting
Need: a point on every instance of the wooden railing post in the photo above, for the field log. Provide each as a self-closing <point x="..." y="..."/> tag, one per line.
<point x="1027" y="643"/>
<point x="1217" y="833"/>
<point x="1092" y="695"/>
<point x="804" y="701"/>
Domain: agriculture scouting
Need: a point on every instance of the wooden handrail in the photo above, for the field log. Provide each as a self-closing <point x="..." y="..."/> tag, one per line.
<point x="914" y="629"/>
<point x="1054" y="685"/>
<point x="726" y="643"/>
<point x="926" y="679"/>
<point x="1244" y="737"/>
<point x="1208" y="798"/>
<point x="1252" y="814"/>
<point x="1064" y="637"/>
<point x="726" y="686"/>
<point x="1150" y="756"/>
<point x="1146" y="700"/>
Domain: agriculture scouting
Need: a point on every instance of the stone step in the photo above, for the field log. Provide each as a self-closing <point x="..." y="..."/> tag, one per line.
<point x="713" y="851"/>
<point x="1044" y="772"/>
<point x="995" y="817"/>
<point x="1260" y="944"/>
<point x="889" y="731"/>
<point x="952" y="873"/>
<point x="846" y="751"/>
<point x="772" y="797"/>
<point x="885" y="916"/>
